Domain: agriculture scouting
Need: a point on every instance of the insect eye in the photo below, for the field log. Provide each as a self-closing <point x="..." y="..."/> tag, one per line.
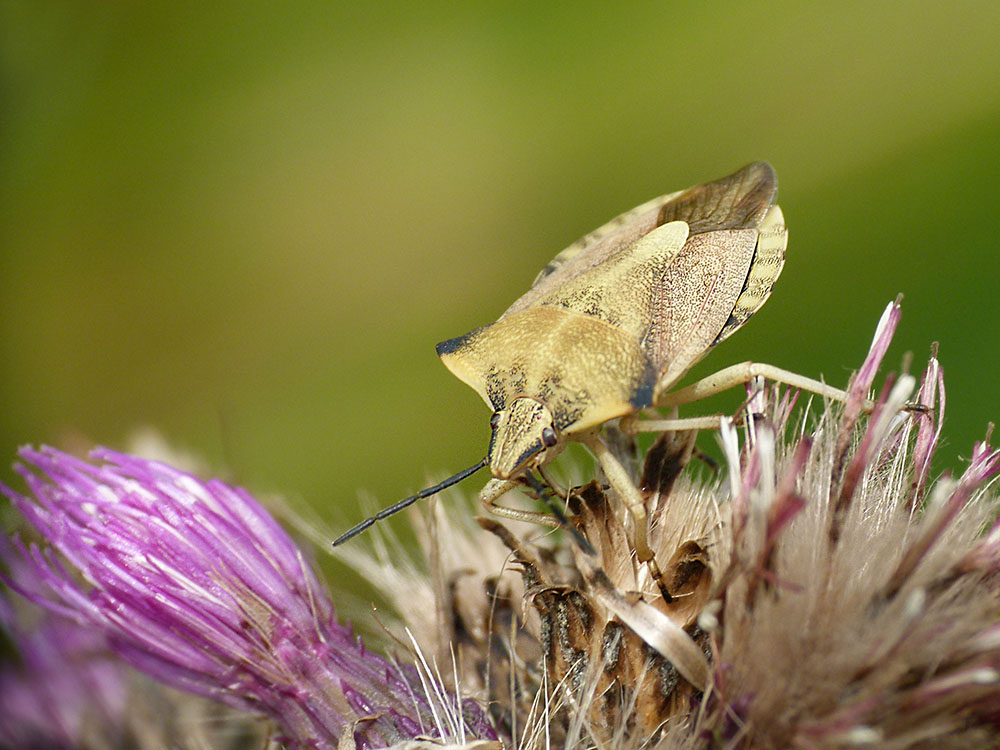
<point x="549" y="437"/>
<point x="495" y="420"/>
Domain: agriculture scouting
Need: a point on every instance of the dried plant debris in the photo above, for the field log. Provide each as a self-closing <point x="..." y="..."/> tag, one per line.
<point x="821" y="592"/>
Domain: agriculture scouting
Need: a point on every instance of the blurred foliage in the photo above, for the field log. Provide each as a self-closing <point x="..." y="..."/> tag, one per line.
<point x="247" y="224"/>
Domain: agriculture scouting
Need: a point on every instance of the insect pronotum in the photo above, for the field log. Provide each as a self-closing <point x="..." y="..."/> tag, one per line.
<point x="612" y="323"/>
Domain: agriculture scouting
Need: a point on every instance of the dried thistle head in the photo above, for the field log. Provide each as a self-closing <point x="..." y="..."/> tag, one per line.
<point x="840" y="597"/>
<point x="819" y="591"/>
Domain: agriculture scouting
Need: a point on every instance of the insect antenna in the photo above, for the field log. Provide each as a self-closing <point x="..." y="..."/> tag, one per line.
<point x="408" y="501"/>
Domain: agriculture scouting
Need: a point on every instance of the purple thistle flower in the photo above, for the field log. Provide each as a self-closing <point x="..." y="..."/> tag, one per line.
<point x="193" y="583"/>
<point x="64" y="687"/>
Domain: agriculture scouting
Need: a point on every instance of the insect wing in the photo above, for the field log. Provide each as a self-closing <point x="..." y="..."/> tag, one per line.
<point x="676" y="299"/>
<point x="696" y="297"/>
<point x="724" y="273"/>
<point x="737" y="201"/>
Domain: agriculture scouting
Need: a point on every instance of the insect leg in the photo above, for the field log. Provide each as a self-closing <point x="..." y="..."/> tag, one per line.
<point x="744" y="373"/>
<point x="677" y="425"/>
<point x="630" y="495"/>
<point x="497" y="488"/>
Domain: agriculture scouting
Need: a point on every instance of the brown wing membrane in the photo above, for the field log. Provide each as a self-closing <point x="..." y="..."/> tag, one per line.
<point x="738" y="201"/>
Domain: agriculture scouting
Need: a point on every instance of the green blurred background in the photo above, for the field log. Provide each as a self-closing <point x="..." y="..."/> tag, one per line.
<point x="247" y="224"/>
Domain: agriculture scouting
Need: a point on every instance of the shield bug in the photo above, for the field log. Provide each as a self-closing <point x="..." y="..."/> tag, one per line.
<point x="612" y="323"/>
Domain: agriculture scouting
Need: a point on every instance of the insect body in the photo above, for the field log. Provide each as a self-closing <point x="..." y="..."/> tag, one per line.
<point x="613" y="322"/>
<point x="618" y="317"/>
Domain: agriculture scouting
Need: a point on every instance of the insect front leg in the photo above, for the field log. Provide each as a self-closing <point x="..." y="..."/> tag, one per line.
<point x="623" y="485"/>
<point x="497" y="488"/>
